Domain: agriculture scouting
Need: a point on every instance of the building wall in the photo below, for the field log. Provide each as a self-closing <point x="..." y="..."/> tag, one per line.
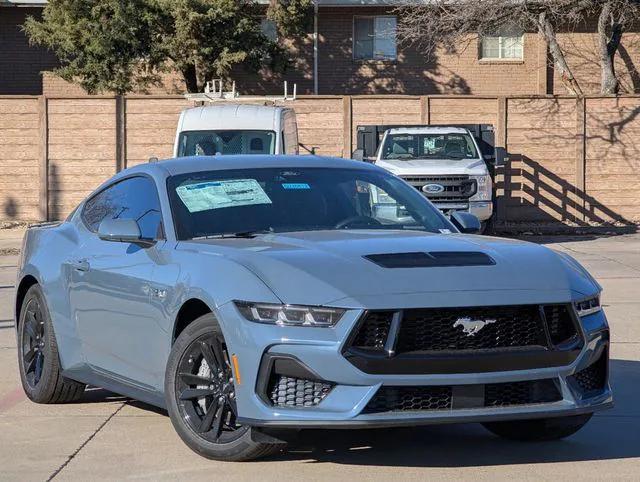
<point x="20" y="63"/>
<point x="412" y="73"/>
<point x="460" y="73"/>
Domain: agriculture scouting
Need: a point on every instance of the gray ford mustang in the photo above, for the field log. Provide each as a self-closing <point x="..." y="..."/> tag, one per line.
<point x="252" y="294"/>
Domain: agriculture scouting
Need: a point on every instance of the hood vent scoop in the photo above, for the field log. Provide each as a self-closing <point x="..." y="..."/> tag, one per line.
<point x="433" y="259"/>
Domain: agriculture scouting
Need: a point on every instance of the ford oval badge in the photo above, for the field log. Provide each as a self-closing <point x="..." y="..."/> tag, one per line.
<point x="432" y="188"/>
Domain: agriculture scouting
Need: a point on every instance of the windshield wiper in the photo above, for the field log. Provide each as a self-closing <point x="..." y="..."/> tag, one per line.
<point x="241" y="234"/>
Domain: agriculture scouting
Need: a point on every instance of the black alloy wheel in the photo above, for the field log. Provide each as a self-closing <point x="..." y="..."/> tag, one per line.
<point x="38" y="361"/>
<point x="200" y="393"/>
<point x="205" y="390"/>
<point x="33" y="342"/>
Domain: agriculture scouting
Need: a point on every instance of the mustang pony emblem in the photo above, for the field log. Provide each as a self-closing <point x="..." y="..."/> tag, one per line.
<point x="471" y="327"/>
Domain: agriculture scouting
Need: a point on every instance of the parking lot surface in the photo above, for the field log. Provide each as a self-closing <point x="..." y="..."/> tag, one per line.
<point x="109" y="437"/>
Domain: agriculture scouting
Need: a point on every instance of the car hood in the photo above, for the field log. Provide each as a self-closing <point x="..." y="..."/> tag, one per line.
<point x="329" y="268"/>
<point x="433" y="167"/>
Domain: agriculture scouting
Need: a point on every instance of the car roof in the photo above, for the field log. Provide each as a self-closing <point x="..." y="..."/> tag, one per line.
<point x="183" y="165"/>
<point x="230" y="117"/>
<point x="429" y="130"/>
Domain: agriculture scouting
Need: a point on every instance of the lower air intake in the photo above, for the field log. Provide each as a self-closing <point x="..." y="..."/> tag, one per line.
<point x="594" y="377"/>
<point x="392" y="399"/>
<point x="521" y="393"/>
<point x="447" y="397"/>
<point x="297" y="392"/>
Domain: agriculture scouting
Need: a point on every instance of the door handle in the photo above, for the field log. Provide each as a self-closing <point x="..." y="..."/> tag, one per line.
<point x="80" y="265"/>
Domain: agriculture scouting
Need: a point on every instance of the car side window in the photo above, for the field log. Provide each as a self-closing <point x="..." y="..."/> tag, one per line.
<point x="134" y="198"/>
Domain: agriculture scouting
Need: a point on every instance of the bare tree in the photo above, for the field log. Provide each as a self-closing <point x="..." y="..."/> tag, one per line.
<point x="453" y="24"/>
<point x="614" y="17"/>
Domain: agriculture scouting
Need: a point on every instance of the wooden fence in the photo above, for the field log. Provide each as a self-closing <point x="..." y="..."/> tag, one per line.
<point x="571" y="161"/>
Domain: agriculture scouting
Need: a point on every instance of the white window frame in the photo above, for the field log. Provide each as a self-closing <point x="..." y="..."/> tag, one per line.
<point x="500" y="39"/>
<point x="373" y="58"/>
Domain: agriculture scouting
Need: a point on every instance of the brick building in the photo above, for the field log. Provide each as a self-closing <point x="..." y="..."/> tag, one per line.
<point x="353" y="50"/>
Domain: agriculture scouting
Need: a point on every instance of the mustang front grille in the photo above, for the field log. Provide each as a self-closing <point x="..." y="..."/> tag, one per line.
<point x="452" y="329"/>
<point x="446" y="397"/>
<point x="464" y="340"/>
<point x="448" y="329"/>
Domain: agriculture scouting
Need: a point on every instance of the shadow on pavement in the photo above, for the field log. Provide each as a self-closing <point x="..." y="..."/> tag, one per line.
<point x="613" y="434"/>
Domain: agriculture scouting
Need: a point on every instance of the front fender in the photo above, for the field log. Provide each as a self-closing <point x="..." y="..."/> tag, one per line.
<point x="216" y="280"/>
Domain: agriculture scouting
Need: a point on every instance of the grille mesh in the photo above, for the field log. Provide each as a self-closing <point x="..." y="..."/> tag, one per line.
<point x="561" y="328"/>
<point x="297" y="392"/>
<point x="410" y="398"/>
<point x="374" y="331"/>
<point x="594" y="376"/>
<point x="434" y="330"/>
<point x="426" y="398"/>
<point x="521" y="393"/>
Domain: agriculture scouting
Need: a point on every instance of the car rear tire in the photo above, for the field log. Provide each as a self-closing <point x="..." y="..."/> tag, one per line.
<point x="38" y="358"/>
<point x="542" y="429"/>
<point x="200" y="395"/>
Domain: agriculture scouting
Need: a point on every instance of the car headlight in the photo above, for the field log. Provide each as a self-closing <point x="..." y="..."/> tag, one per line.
<point x="588" y="306"/>
<point x="484" y="188"/>
<point x="289" y="315"/>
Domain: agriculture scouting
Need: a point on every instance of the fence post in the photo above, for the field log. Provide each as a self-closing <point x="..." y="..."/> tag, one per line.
<point x="425" y="110"/>
<point x="581" y="156"/>
<point x="43" y="158"/>
<point x="502" y="162"/>
<point x="347" y="124"/>
<point x="121" y="133"/>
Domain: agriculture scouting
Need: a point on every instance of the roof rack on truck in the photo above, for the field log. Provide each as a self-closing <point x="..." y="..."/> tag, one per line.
<point x="214" y="92"/>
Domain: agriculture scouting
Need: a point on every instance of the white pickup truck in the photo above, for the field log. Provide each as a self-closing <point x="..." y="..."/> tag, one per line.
<point x="445" y="163"/>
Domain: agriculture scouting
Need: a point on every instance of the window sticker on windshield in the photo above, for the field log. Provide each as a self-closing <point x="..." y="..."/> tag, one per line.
<point x="222" y="194"/>
<point x="295" y="185"/>
<point x="445" y="231"/>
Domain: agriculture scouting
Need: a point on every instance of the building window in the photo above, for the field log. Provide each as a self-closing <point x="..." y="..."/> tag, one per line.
<point x="269" y="29"/>
<point x="508" y="46"/>
<point x="374" y="38"/>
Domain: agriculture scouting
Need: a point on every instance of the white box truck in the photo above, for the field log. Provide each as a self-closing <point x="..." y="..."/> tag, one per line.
<point x="236" y="128"/>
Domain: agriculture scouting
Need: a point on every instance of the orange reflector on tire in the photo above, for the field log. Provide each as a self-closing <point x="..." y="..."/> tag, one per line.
<point x="236" y="369"/>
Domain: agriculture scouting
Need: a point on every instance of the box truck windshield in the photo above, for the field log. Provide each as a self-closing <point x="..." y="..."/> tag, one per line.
<point x="428" y="146"/>
<point x="225" y="142"/>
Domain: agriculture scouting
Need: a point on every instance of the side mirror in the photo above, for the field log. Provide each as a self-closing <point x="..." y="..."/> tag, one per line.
<point x="358" y="155"/>
<point x="123" y="231"/>
<point x="466" y="222"/>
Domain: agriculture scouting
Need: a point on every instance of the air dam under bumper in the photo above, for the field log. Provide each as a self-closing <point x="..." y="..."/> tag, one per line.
<point x="318" y="388"/>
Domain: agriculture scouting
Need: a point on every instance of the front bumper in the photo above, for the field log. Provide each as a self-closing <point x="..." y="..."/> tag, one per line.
<point x="319" y="351"/>
<point x="483" y="210"/>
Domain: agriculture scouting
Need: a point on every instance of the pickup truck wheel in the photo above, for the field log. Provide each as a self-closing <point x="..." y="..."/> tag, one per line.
<point x="536" y="430"/>
<point x="200" y="394"/>
<point x="38" y="359"/>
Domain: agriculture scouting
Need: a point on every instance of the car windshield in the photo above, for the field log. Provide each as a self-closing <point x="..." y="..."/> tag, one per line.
<point x="211" y="143"/>
<point x="245" y="202"/>
<point x="428" y="146"/>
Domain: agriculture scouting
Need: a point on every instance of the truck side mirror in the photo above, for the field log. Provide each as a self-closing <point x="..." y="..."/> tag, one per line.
<point x="358" y="155"/>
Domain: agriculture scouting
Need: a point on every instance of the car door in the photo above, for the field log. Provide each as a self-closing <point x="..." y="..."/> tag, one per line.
<point x="110" y="291"/>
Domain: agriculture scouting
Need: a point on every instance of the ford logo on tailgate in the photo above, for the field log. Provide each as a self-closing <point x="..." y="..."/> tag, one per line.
<point x="432" y="188"/>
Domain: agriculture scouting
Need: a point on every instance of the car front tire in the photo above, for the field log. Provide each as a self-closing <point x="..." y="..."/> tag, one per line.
<point x="38" y="358"/>
<point x="200" y="395"/>
<point x="537" y="430"/>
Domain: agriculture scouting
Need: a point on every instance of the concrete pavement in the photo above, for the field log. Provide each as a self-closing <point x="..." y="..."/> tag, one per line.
<point x="108" y="437"/>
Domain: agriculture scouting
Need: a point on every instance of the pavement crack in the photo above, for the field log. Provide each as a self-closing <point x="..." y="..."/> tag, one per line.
<point x="84" y="444"/>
